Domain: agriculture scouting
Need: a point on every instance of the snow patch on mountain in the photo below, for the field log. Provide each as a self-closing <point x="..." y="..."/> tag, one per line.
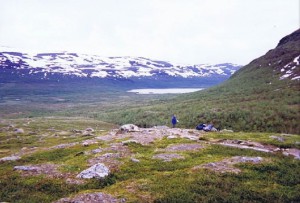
<point x="290" y="69"/>
<point x="83" y="65"/>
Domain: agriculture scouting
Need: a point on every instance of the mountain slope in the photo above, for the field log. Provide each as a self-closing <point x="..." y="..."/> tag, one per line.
<point x="65" y="66"/>
<point x="262" y="96"/>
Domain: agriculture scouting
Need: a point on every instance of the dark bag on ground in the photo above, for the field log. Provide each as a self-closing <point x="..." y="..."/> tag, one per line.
<point x="200" y="126"/>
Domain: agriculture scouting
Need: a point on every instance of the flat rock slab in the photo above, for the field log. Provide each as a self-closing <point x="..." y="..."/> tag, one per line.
<point x="49" y="170"/>
<point x="168" y="157"/>
<point x="227" y="165"/>
<point x="248" y="145"/>
<point x="260" y="147"/>
<point x="98" y="197"/>
<point x="147" y="136"/>
<point x="183" y="147"/>
<point x="10" y="158"/>
<point x="292" y="152"/>
<point x="63" y="146"/>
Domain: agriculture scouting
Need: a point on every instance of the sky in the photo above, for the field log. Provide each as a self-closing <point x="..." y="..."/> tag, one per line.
<point x="179" y="31"/>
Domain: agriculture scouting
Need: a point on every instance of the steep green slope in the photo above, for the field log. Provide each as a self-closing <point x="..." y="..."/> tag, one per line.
<point x="262" y="96"/>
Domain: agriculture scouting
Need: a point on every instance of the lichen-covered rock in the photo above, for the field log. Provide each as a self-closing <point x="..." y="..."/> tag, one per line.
<point x="168" y="157"/>
<point x="183" y="147"/>
<point x="292" y="152"/>
<point x="96" y="171"/>
<point x="98" y="197"/>
<point x="10" y="158"/>
<point x="26" y="168"/>
<point x="227" y="165"/>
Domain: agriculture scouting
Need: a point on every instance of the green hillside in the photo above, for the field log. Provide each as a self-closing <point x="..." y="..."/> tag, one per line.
<point x="262" y="96"/>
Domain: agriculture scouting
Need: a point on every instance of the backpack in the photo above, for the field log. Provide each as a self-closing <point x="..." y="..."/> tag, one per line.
<point x="200" y="126"/>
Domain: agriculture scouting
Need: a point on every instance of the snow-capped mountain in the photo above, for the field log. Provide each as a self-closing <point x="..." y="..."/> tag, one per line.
<point x="82" y="65"/>
<point x="58" y="66"/>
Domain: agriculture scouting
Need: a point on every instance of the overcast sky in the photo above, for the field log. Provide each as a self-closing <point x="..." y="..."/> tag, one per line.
<point x="180" y="31"/>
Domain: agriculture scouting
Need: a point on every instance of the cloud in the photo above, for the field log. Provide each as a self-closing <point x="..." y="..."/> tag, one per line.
<point x="194" y="31"/>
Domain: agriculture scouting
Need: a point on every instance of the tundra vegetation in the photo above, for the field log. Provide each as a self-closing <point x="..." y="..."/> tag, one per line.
<point x="48" y="137"/>
<point x="58" y="144"/>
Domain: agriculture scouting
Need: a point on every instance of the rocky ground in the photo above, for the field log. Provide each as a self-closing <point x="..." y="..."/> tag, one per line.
<point x="106" y="159"/>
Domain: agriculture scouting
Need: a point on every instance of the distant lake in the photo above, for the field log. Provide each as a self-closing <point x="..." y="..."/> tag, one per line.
<point x="165" y="90"/>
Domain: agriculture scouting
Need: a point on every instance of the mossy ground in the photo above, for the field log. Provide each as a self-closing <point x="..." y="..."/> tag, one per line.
<point x="150" y="180"/>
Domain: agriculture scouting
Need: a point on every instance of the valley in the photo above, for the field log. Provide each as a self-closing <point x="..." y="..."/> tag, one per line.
<point x="66" y="136"/>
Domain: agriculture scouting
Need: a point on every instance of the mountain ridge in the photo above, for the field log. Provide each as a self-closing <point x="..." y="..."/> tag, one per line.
<point x="57" y="66"/>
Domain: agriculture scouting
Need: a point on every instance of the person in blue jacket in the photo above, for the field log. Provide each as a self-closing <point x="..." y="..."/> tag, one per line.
<point x="174" y="120"/>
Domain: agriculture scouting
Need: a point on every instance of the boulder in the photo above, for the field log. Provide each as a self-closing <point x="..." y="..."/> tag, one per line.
<point x="87" y="133"/>
<point x="129" y="128"/>
<point x="97" y="171"/>
<point x="19" y="131"/>
<point x="90" y="130"/>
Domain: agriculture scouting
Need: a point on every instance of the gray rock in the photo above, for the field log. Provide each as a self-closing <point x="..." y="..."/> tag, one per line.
<point x="89" y="142"/>
<point x="96" y="151"/>
<point x="129" y="128"/>
<point x="168" y="157"/>
<point x="172" y="137"/>
<point x="244" y="159"/>
<point x="87" y="133"/>
<point x="97" y="171"/>
<point x="292" y="152"/>
<point x="26" y="168"/>
<point x="129" y="141"/>
<point x="226" y="131"/>
<point x="278" y="138"/>
<point x="90" y="130"/>
<point x="19" y="131"/>
<point x="184" y="147"/>
<point x="134" y="160"/>
<point x="92" y="198"/>
<point x="161" y="127"/>
<point x="10" y="158"/>
<point x="76" y="131"/>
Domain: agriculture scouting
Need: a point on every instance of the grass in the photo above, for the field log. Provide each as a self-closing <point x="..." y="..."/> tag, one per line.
<point x="149" y="180"/>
